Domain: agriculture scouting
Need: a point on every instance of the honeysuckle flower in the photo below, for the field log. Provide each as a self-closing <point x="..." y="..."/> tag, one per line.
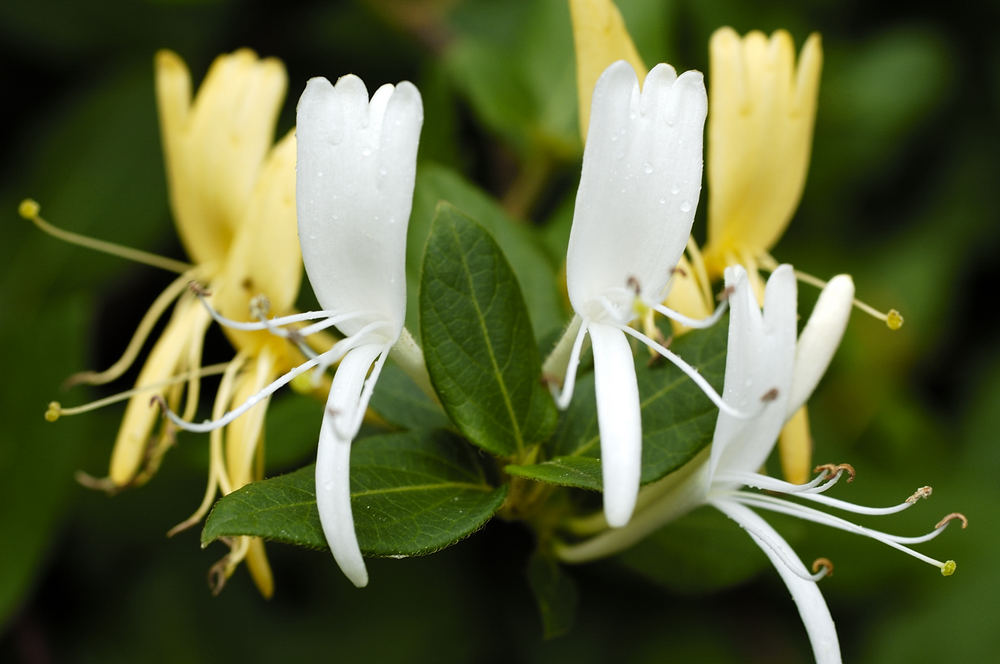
<point x="356" y="170"/>
<point x="232" y="194"/>
<point x="634" y="208"/>
<point x="763" y="354"/>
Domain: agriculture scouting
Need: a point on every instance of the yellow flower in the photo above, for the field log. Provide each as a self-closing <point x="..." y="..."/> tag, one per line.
<point x="760" y="133"/>
<point x="232" y="194"/>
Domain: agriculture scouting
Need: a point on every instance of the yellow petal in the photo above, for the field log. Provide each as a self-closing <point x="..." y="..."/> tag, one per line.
<point x="760" y="125"/>
<point x="795" y="448"/>
<point x="168" y="357"/>
<point x="260" y="569"/>
<point x="244" y="433"/>
<point x="600" y="38"/>
<point x="214" y="147"/>
<point x="265" y="258"/>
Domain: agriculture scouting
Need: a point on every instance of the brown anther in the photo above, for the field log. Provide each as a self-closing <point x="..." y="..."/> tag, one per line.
<point x="158" y="400"/>
<point x="954" y="515"/>
<point x="725" y="293"/>
<point x="922" y="492"/>
<point x="551" y="379"/>
<point x="825" y="563"/>
<point x="680" y="271"/>
<point x="633" y="283"/>
<point x="218" y="575"/>
<point x="770" y="395"/>
<point x="198" y="289"/>
<point x="104" y="484"/>
<point x="247" y="284"/>
<point x="834" y="468"/>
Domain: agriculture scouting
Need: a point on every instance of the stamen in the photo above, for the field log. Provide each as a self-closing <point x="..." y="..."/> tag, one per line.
<point x="693" y="322"/>
<point x="954" y="515"/>
<point x="833" y="469"/>
<point x="825" y="564"/>
<point x="323" y="360"/>
<point x="56" y="410"/>
<point x="566" y="394"/>
<point x="922" y="492"/>
<point x="948" y="568"/>
<point x="809" y="514"/>
<point x="770" y="395"/>
<point x="332" y="318"/>
<point x="632" y="283"/>
<point x="725" y="294"/>
<point x="691" y="372"/>
<point x="892" y="318"/>
<point x="30" y="210"/>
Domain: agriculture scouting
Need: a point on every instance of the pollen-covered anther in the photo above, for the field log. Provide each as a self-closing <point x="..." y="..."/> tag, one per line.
<point x="894" y="320"/>
<point x="679" y="271"/>
<point x="29" y="208"/>
<point x="954" y="515"/>
<point x="825" y="564"/>
<point x="53" y="412"/>
<point x="725" y="293"/>
<point x="770" y="395"/>
<point x="834" y="468"/>
<point x="198" y="289"/>
<point x="260" y="306"/>
<point x="948" y="568"/>
<point x="922" y="492"/>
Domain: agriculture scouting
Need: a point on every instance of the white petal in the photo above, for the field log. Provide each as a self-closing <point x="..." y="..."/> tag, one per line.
<point x="639" y="186"/>
<point x="820" y="338"/>
<point x="760" y="360"/>
<point x="333" y="461"/>
<point x="619" y="421"/>
<point x="812" y="607"/>
<point x="355" y="177"/>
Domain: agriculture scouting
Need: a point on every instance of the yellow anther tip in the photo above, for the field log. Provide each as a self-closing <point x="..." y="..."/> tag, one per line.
<point x="29" y="208"/>
<point x="894" y="320"/>
<point x="949" y="568"/>
<point x="53" y="412"/>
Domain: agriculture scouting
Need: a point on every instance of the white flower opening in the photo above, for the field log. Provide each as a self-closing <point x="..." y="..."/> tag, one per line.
<point x="635" y="205"/>
<point x="763" y="352"/>
<point x="356" y="171"/>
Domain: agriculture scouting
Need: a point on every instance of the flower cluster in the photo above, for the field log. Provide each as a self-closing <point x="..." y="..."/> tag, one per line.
<point x="238" y="201"/>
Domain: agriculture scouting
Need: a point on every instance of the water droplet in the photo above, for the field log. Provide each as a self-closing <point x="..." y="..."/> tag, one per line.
<point x="663" y="201"/>
<point x="319" y="174"/>
<point x="686" y="206"/>
<point x="366" y="152"/>
<point x="382" y="172"/>
<point x="647" y="168"/>
<point x="675" y="190"/>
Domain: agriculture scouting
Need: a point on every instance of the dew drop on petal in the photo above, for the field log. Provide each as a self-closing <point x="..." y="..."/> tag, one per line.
<point x="366" y="152"/>
<point x="675" y="189"/>
<point x="647" y="168"/>
<point x="686" y="206"/>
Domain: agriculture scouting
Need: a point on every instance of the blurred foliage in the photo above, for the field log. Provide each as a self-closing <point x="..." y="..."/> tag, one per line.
<point x="901" y="193"/>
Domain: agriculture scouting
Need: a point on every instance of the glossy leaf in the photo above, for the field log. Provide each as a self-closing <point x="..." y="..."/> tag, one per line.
<point x="412" y="493"/>
<point x="478" y="341"/>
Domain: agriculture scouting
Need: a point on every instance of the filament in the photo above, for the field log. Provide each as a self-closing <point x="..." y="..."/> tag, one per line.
<point x="566" y="394"/>
<point x="30" y="210"/>
<point x="693" y="322"/>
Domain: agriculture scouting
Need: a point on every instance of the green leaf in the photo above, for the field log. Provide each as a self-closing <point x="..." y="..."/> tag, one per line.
<point x="412" y="493"/>
<point x="478" y="342"/>
<point x="521" y="244"/>
<point x="555" y="593"/>
<point x="578" y="471"/>
<point x="401" y="403"/>
<point x="677" y="418"/>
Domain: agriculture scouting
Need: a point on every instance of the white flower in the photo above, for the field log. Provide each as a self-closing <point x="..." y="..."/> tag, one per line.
<point x="354" y="188"/>
<point x="763" y="358"/>
<point x="634" y="208"/>
<point x="356" y="169"/>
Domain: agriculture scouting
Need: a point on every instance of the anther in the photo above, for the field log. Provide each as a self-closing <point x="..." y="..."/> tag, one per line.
<point x="770" y="395"/>
<point x="725" y="293"/>
<point x="834" y="468"/>
<point x="198" y="289"/>
<point x="948" y="568"/>
<point x="633" y="283"/>
<point x="158" y="400"/>
<point x="894" y="320"/>
<point x="954" y="515"/>
<point x="679" y="271"/>
<point x="826" y="564"/>
<point x="922" y="492"/>
<point x="29" y="208"/>
<point x="53" y="412"/>
<point x="260" y="306"/>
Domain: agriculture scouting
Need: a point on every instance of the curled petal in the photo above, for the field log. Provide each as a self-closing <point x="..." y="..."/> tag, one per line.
<point x="619" y="421"/>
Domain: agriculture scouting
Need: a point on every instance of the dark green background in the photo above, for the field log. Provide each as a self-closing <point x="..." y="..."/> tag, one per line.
<point x="902" y="193"/>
